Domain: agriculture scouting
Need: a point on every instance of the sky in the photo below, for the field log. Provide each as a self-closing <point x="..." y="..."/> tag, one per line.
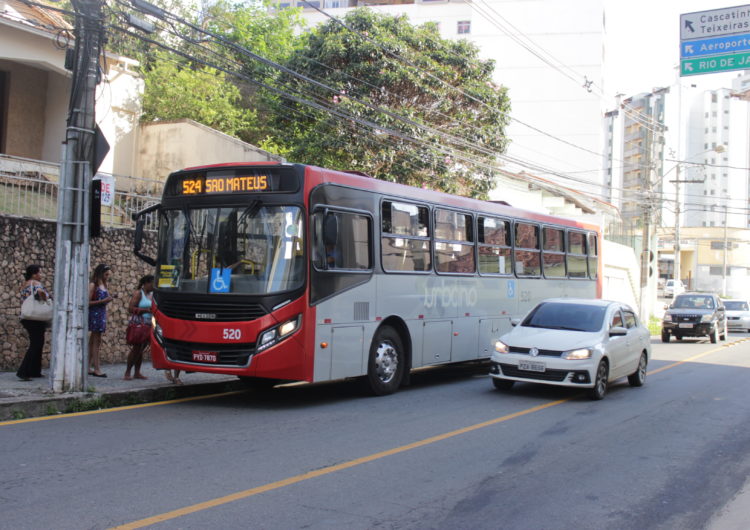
<point x="643" y="44"/>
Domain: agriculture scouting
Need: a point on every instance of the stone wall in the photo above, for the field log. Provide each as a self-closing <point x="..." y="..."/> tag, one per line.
<point x="24" y="241"/>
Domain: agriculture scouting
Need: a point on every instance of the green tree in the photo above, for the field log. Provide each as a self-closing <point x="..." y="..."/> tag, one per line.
<point x="176" y="90"/>
<point x="448" y="103"/>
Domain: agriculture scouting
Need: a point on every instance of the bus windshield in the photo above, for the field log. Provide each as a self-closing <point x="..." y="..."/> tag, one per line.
<point x="253" y="249"/>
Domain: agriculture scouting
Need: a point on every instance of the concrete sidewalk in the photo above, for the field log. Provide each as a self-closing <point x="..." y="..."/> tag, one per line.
<point x="27" y="399"/>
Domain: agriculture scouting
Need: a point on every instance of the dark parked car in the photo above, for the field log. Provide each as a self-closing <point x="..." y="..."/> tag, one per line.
<point x="695" y="315"/>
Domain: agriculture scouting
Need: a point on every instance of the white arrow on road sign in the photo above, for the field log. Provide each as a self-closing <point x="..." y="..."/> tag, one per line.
<point x="689" y="48"/>
<point x="688" y="67"/>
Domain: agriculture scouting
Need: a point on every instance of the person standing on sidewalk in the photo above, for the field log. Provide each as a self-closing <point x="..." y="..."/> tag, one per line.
<point x="99" y="297"/>
<point x="140" y="306"/>
<point x="31" y="366"/>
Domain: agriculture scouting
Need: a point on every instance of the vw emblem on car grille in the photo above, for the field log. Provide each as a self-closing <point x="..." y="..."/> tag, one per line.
<point x="534" y="352"/>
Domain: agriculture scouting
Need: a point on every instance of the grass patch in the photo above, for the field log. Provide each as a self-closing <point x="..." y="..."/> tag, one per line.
<point x="654" y="325"/>
<point x="80" y="405"/>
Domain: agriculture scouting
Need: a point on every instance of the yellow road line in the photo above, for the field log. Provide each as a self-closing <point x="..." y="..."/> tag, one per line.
<point x="117" y="409"/>
<point x="694" y="357"/>
<point x="330" y="469"/>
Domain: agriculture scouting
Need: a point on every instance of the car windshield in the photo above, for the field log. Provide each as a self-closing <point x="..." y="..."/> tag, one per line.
<point x="254" y="249"/>
<point x="566" y="315"/>
<point x="693" y="302"/>
<point x="736" y="306"/>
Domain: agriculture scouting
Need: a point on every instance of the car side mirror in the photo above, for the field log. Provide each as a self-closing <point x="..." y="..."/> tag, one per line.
<point x="667" y="306"/>
<point x="515" y="321"/>
<point x="617" y="331"/>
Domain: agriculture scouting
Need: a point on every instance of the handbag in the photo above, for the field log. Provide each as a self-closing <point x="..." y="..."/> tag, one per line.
<point x="33" y="309"/>
<point x="138" y="331"/>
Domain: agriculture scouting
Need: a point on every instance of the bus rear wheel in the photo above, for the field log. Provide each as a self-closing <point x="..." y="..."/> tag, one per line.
<point x="386" y="362"/>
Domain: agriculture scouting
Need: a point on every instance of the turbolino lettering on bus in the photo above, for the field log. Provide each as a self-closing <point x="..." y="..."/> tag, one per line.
<point x="449" y="296"/>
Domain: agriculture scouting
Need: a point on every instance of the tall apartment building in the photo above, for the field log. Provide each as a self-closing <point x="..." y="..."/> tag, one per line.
<point x="634" y="139"/>
<point x="556" y="118"/>
<point x="718" y="155"/>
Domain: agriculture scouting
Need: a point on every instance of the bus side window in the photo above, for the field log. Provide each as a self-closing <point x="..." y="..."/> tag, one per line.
<point x="576" y="257"/>
<point x="526" y="252"/>
<point x="593" y="252"/>
<point x="342" y="241"/>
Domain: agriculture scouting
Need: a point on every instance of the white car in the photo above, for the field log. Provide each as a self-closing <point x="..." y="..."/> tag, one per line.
<point x="673" y="287"/>
<point x="738" y="315"/>
<point x="574" y="343"/>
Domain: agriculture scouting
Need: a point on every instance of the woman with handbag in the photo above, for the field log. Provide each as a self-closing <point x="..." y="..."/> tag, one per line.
<point x="31" y="366"/>
<point x="139" y="329"/>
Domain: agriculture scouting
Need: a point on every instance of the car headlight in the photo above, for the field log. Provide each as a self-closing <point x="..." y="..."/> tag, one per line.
<point x="576" y="355"/>
<point x="278" y="333"/>
<point x="707" y="318"/>
<point x="501" y="347"/>
<point x="667" y="318"/>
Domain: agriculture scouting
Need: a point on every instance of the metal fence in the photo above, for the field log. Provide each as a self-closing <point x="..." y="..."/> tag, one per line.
<point x="28" y="188"/>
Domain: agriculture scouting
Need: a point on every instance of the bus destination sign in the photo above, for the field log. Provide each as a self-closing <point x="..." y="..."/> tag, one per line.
<point x="204" y="184"/>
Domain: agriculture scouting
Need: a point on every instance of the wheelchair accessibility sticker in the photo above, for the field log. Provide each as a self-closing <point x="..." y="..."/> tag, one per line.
<point x="220" y="280"/>
<point x="511" y="288"/>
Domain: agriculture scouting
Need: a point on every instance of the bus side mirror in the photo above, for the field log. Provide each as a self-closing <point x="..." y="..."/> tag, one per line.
<point x="140" y="223"/>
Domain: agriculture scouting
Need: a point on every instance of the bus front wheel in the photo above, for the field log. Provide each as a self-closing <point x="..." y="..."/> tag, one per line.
<point x="386" y="363"/>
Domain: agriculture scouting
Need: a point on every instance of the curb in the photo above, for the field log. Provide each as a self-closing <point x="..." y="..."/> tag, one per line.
<point x="34" y="407"/>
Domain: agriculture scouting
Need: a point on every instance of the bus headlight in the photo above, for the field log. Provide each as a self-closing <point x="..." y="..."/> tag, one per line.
<point x="278" y="333"/>
<point x="158" y="335"/>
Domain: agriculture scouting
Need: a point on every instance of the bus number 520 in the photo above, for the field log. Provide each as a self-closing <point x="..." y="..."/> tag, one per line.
<point x="232" y="334"/>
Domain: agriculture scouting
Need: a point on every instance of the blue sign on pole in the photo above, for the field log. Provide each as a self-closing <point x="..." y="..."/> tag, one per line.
<point x="715" y="46"/>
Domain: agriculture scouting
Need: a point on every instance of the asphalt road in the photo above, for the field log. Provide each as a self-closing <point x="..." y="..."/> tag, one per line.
<point x="449" y="452"/>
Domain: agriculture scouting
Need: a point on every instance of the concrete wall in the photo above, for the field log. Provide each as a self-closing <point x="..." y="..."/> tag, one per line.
<point x="164" y="147"/>
<point x="24" y="241"/>
<point x="621" y="274"/>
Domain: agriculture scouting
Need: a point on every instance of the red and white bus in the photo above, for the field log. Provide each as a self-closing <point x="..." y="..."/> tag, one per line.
<point x="287" y="272"/>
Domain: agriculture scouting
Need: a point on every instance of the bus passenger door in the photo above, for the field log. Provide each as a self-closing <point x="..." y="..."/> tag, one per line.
<point x="436" y="341"/>
<point x="346" y="354"/>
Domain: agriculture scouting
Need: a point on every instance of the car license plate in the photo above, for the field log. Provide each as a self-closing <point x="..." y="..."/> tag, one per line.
<point x="686" y="325"/>
<point x="205" y="356"/>
<point x="531" y="367"/>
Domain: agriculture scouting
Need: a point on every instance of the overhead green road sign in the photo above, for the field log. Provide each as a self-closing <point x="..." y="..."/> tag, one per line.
<point x="709" y="65"/>
<point x="715" y="41"/>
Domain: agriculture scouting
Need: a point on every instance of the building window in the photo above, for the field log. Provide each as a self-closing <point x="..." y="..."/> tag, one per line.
<point x="716" y="270"/>
<point x="464" y="27"/>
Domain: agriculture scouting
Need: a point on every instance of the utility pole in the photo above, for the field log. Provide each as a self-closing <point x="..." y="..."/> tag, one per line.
<point x="724" y="269"/>
<point x="70" y="323"/>
<point x="676" y="273"/>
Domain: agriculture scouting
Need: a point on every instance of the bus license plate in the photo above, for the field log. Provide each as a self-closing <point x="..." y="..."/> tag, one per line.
<point x="531" y="367"/>
<point x="686" y="325"/>
<point x="205" y="357"/>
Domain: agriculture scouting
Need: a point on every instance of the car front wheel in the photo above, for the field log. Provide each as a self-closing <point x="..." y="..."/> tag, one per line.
<point x="600" y="381"/>
<point x="714" y="336"/>
<point x="502" y="384"/>
<point x="638" y="377"/>
<point x="664" y="336"/>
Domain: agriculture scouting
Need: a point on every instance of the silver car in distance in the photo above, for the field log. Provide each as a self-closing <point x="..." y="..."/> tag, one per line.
<point x="574" y="343"/>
